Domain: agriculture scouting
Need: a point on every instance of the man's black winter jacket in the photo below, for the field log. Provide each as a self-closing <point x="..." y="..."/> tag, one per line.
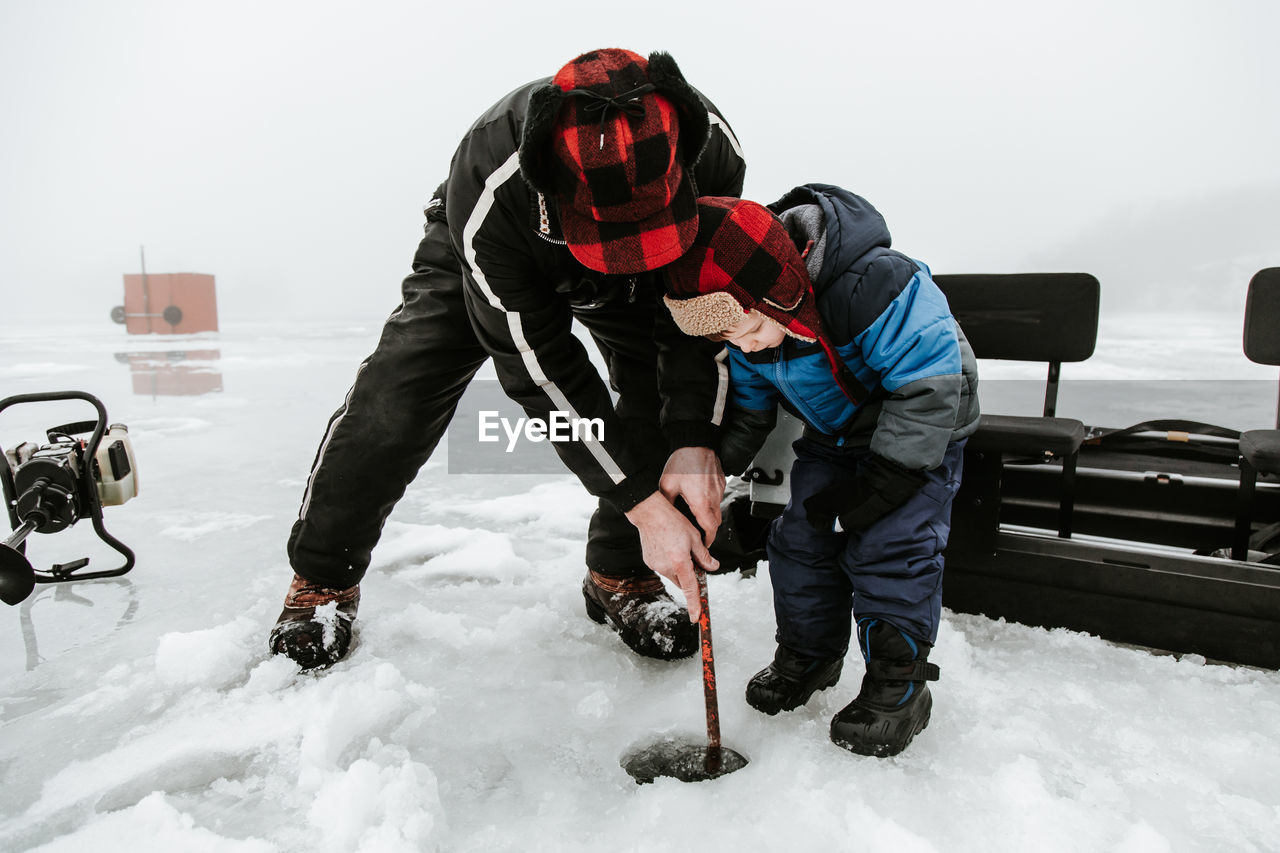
<point x="523" y="287"/>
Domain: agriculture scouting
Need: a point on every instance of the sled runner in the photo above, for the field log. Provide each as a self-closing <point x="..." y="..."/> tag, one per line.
<point x="1164" y="534"/>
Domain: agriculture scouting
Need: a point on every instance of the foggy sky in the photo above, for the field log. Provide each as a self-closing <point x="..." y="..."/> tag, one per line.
<point x="288" y="147"/>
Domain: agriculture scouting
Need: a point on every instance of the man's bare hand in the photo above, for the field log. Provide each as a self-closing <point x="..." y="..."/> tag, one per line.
<point x="694" y="474"/>
<point x="670" y="546"/>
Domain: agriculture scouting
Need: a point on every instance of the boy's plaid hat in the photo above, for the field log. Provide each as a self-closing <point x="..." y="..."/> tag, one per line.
<point x="611" y="140"/>
<point x="742" y="259"/>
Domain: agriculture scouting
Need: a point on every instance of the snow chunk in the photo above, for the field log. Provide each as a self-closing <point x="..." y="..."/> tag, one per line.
<point x="166" y="427"/>
<point x="160" y="824"/>
<point x="43" y="368"/>
<point x="350" y="711"/>
<point x="383" y="808"/>
<point x="1142" y="838"/>
<point x="216" y="657"/>
<point x="596" y="706"/>
<point x="188" y="527"/>
<point x="432" y="551"/>
<point x="562" y="506"/>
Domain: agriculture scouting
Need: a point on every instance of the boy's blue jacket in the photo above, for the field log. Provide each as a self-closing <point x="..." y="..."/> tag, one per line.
<point x="889" y="323"/>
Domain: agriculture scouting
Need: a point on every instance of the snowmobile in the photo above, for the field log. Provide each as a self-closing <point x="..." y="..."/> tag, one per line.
<point x="1164" y="534"/>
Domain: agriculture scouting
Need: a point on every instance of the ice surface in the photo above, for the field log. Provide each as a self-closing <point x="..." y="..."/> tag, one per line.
<point x="481" y="710"/>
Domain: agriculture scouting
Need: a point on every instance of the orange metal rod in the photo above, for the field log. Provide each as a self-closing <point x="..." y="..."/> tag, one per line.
<point x="708" y="667"/>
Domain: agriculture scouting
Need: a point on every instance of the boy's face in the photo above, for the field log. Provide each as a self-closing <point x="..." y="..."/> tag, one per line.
<point x="754" y="332"/>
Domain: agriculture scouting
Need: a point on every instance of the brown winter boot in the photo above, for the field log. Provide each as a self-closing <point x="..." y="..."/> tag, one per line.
<point x="310" y="632"/>
<point x="647" y="618"/>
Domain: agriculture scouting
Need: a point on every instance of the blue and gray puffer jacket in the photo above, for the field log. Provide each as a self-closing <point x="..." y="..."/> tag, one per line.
<point x="889" y="323"/>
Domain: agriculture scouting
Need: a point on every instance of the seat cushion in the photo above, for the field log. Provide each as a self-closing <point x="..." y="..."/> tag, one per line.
<point x="1261" y="447"/>
<point x="1033" y="436"/>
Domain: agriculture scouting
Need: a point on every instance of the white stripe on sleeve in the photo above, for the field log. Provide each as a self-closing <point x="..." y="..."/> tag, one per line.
<point x="478" y="214"/>
<point x="724" y="128"/>
<point x="722" y="386"/>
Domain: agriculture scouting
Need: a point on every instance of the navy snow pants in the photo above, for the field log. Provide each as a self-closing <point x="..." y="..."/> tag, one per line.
<point x="892" y="570"/>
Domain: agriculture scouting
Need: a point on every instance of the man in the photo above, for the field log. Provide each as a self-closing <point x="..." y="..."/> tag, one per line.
<point x="561" y="202"/>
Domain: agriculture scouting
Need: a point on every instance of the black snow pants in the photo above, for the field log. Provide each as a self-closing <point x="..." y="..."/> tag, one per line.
<point x="403" y="398"/>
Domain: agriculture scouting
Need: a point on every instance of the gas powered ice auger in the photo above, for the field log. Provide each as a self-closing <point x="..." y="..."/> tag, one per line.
<point x="49" y="487"/>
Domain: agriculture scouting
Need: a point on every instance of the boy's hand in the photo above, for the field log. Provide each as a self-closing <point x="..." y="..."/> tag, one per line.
<point x="880" y="487"/>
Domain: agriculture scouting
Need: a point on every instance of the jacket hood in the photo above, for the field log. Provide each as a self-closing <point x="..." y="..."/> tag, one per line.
<point x="850" y="226"/>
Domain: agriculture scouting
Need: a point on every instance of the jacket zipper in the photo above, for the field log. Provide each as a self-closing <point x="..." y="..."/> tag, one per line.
<point x="784" y="385"/>
<point x="544" y="223"/>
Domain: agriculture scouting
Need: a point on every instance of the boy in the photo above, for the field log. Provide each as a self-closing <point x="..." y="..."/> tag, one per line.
<point x="821" y="316"/>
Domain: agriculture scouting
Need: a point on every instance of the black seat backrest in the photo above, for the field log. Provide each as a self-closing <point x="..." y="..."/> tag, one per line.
<point x="1050" y="317"/>
<point x="1047" y="317"/>
<point x="1262" y="317"/>
<point x="1262" y="321"/>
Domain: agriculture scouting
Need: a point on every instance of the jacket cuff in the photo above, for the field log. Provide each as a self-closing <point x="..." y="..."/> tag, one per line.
<point x="632" y="490"/>
<point x="691" y="434"/>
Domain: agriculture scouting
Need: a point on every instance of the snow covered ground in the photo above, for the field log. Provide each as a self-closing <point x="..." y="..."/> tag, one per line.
<point x="481" y="710"/>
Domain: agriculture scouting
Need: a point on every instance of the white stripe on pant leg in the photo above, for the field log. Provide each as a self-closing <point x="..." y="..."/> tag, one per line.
<point x="324" y="444"/>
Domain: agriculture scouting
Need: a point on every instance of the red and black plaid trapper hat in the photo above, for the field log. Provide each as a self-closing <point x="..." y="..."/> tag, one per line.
<point x="743" y="259"/>
<point x="609" y="141"/>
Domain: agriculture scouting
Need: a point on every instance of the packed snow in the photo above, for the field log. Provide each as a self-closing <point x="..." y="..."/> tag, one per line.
<point x="480" y="710"/>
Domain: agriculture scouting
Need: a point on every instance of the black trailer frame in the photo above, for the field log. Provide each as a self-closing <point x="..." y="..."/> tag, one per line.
<point x="1123" y="533"/>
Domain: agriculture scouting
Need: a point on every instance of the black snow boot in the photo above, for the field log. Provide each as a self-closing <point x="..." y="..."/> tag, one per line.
<point x="643" y="613"/>
<point x="310" y="632"/>
<point x="894" y="703"/>
<point x="790" y="680"/>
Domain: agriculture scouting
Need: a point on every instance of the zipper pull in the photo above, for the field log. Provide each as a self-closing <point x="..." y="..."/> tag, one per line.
<point x="631" y="289"/>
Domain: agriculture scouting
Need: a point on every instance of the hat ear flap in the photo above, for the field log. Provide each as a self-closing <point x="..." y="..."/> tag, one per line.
<point x="537" y="162"/>
<point x="695" y="125"/>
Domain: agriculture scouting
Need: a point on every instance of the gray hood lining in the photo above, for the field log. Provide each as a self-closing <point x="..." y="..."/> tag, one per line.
<point x="805" y="222"/>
